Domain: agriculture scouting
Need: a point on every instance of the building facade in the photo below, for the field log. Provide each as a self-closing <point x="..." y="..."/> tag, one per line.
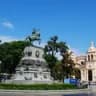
<point x="87" y="64"/>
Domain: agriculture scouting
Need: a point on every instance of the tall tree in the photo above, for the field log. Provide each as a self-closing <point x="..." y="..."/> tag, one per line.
<point x="66" y="66"/>
<point x="10" y="55"/>
<point x="58" y="75"/>
<point x="50" y="52"/>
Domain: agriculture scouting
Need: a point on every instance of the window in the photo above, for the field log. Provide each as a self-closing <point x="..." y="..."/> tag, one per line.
<point x="88" y="58"/>
<point x="82" y="62"/>
<point x="91" y="57"/>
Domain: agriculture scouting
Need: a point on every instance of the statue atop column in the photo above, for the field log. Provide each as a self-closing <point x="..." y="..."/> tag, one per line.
<point x="35" y="36"/>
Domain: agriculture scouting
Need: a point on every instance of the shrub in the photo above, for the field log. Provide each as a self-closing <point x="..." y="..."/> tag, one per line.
<point x="38" y="86"/>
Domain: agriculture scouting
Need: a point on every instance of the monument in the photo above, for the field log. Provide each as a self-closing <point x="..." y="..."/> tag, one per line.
<point x="32" y="68"/>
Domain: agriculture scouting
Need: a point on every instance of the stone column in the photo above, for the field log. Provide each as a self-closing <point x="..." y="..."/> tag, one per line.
<point x="84" y="75"/>
<point x="94" y="75"/>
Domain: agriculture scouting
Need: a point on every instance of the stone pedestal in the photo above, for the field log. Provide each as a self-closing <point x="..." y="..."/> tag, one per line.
<point x="32" y="68"/>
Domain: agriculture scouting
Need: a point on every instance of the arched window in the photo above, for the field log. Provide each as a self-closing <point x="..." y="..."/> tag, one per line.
<point x="88" y="58"/>
<point x="82" y="62"/>
<point x="91" y="57"/>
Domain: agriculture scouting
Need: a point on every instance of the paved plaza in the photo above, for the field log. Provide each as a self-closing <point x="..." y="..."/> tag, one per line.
<point x="32" y="94"/>
<point x="85" y="92"/>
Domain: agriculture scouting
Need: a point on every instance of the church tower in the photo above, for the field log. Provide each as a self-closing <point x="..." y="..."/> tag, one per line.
<point x="88" y="72"/>
<point x="91" y="53"/>
<point x="91" y="63"/>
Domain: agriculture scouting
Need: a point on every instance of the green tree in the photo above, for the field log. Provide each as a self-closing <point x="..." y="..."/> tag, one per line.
<point x="58" y="71"/>
<point x="77" y="73"/>
<point x="50" y="51"/>
<point x="65" y="67"/>
<point x="10" y="55"/>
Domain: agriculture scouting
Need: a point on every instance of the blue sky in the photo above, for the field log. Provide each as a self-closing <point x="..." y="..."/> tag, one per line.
<point x="73" y="21"/>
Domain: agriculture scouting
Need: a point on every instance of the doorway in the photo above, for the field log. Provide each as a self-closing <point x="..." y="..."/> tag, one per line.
<point x="90" y="75"/>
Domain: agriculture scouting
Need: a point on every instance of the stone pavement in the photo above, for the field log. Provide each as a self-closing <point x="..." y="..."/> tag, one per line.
<point x="41" y="93"/>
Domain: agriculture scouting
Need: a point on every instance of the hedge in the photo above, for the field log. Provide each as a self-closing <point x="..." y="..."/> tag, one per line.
<point x="37" y="86"/>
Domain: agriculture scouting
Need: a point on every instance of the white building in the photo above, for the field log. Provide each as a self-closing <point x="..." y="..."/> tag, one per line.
<point x="32" y="68"/>
<point x="87" y="64"/>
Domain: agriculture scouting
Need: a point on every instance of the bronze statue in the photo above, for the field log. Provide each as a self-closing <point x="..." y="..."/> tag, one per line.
<point x="34" y="37"/>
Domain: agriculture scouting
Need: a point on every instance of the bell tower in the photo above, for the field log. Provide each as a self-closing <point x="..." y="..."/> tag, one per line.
<point x="91" y="53"/>
<point x="91" y="62"/>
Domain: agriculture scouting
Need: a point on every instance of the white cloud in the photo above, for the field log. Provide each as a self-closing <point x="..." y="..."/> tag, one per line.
<point x="7" y="38"/>
<point x="76" y="51"/>
<point x="7" y="24"/>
